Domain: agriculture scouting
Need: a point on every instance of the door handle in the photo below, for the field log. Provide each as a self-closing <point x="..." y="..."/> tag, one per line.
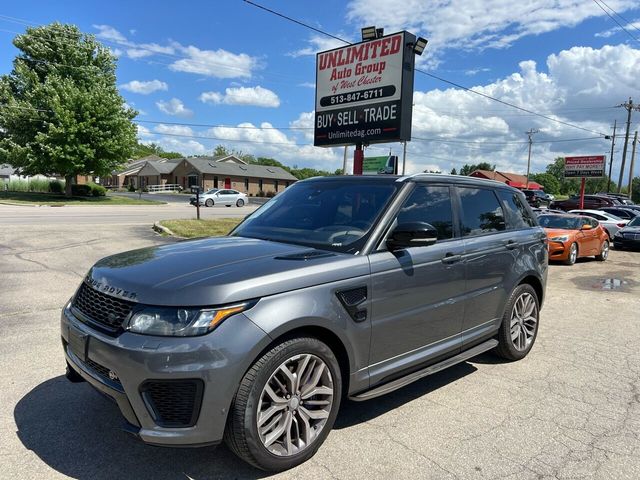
<point x="451" y="258"/>
<point x="511" y="245"/>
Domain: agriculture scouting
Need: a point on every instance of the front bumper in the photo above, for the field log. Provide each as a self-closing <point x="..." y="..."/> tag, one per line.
<point x="558" y="251"/>
<point x="120" y="367"/>
<point x="625" y="242"/>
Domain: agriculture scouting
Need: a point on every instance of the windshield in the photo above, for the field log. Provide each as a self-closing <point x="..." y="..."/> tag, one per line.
<point x="333" y="215"/>
<point x="562" y="222"/>
<point x="634" y="223"/>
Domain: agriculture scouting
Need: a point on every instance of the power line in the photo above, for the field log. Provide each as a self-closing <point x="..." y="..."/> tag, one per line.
<point x="457" y="85"/>
<point x="624" y="19"/>
<point x="613" y="18"/>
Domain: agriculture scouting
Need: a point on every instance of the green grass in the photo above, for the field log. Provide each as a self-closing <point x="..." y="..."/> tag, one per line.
<point x="33" y="198"/>
<point x="201" y="228"/>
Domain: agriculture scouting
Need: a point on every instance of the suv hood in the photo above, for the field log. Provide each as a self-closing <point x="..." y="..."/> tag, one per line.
<point x="216" y="271"/>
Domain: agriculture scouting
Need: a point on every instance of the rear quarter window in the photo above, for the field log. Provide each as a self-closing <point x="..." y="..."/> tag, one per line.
<point x="481" y="211"/>
<point x="518" y="215"/>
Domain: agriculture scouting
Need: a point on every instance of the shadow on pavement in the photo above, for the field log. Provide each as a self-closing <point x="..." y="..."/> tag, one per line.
<point x="352" y="413"/>
<point x="75" y="431"/>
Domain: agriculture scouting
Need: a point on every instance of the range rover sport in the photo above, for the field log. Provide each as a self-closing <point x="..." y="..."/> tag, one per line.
<point x="339" y="287"/>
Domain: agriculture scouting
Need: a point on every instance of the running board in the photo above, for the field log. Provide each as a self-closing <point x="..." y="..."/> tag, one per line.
<point x="412" y="377"/>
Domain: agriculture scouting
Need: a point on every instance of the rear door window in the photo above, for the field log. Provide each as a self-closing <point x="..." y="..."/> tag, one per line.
<point x="518" y="215"/>
<point x="481" y="211"/>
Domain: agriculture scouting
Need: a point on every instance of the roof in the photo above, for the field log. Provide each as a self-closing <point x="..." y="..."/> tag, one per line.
<point x="6" y="170"/>
<point x="418" y="177"/>
<point x="212" y="165"/>
<point x="159" y="167"/>
<point x="512" y="179"/>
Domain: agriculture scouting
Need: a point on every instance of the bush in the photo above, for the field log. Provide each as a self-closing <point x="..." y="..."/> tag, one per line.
<point x="260" y="193"/>
<point x="81" y="190"/>
<point x="131" y="188"/>
<point x="97" y="190"/>
<point x="270" y="194"/>
<point x="56" y="186"/>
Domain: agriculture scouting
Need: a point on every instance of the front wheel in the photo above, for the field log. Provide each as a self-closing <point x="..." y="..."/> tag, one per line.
<point x="239" y="203"/>
<point x="519" y="327"/>
<point x="209" y="202"/>
<point x="573" y="254"/>
<point x="604" y="252"/>
<point x="286" y="405"/>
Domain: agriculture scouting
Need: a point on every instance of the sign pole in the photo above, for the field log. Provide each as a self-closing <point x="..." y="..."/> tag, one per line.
<point x="404" y="156"/>
<point x="344" y="161"/>
<point x="582" y="193"/>
<point x="358" y="159"/>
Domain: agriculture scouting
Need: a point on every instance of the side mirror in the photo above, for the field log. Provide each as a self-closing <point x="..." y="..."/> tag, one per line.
<point x="586" y="227"/>
<point x="412" y="234"/>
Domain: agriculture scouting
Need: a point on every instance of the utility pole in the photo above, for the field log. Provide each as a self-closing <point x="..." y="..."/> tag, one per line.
<point x="613" y="141"/>
<point x="344" y="162"/>
<point x="530" y="133"/>
<point x="629" y="107"/>
<point x="404" y="156"/>
<point x="633" y="159"/>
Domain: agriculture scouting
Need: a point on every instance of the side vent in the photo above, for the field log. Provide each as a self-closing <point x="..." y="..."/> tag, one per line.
<point x="306" y="255"/>
<point x="351" y="300"/>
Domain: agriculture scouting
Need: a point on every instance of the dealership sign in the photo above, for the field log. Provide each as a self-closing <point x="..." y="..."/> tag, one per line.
<point x="364" y="92"/>
<point x="590" y="166"/>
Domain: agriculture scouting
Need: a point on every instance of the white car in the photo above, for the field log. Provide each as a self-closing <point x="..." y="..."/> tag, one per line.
<point x="609" y="222"/>
<point x="225" y="196"/>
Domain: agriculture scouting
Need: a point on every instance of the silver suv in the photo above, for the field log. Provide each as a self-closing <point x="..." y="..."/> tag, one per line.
<point x="339" y="287"/>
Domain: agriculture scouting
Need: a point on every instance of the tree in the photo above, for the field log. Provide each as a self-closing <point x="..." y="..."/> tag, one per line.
<point x="454" y="171"/>
<point x="550" y="183"/>
<point x="142" y="150"/>
<point x="469" y="169"/>
<point x="635" y="190"/>
<point x="61" y="111"/>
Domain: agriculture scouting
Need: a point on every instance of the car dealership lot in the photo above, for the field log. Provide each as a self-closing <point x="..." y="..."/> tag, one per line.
<point x="570" y="409"/>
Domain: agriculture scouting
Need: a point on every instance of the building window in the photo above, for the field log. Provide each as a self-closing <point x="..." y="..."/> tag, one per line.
<point x="246" y="184"/>
<point x="215" y="182"/>
<point x="260" y="184"/>
<point x="275" y="185"/>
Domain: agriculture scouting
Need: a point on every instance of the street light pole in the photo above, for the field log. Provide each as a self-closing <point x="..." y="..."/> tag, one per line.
<point x="613" y="141"/>
<point x="530" y="133"/>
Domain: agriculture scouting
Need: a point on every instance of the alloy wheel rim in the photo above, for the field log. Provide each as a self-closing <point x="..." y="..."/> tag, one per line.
<point x="294" y="405"/>
<point x="605" y="250"/>
<point x="573" y="253"/>
<point x="524" y="321"/>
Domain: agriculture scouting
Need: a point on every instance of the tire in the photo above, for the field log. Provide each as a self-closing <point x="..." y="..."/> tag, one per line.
<point x="243" y="435"/>
<point x="523" y="300"/>
<point x="604" y="252"/>
<point x="573" y="254"/>
<point x="240" y="203"/>
<point x="228" y="205"/>
<point x="208" y="202"/>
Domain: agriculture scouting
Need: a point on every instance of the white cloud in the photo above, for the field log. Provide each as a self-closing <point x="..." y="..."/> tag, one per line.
<point x="308" y="85"/>
<point x="174" y="107"/>
<point x="476" y="24"/>
<point x="215" y="63"/>
<point x="631" y="26"/>
<point x="186" y="147"/>
<point x="144" y="87"/>
<point x="174" y="129"/>
<point x="253" y="96"/>
<point x="319" y="43"/>
<point x="106" y="32"/>
<point x="144" y="132"/>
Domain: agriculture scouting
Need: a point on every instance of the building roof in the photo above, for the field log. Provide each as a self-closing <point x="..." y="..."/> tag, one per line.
<point x="159" y="167"/>
<point x="213" y="166"/>
<point x="512" y="179"/>
<point x="6" y="170"/>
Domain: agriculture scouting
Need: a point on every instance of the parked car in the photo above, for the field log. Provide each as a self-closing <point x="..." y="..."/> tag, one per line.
<point x="537" y="196"/>
<point x="543" y="211"/>
<point x="623" y="199"/>
<point x="225" y="197"/>
<point x="339" y="285"/>
<point x="609" y="222"/>
<point x="590" y="202"/>
<point x="628" y="236"/>
<point x="573" y="236"/>
<point x="622" y="212"/>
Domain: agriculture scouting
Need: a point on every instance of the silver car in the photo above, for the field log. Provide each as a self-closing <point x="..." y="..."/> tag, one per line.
<point x="217" y="196"/>
<point x="609" y="222"/>
<point x="337" y="287"/>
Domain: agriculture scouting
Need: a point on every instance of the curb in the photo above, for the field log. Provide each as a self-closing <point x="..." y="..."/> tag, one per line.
<point x="162" y="229"/>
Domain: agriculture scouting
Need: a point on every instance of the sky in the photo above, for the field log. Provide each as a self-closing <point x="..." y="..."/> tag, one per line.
<point x="207" y="73"/>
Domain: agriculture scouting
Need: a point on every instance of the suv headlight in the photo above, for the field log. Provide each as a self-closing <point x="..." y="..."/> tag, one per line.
<point x="181" y="322"/>
<point x="560" y="238"/>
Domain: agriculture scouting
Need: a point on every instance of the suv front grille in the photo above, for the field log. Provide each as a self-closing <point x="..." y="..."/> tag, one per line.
<point x="173" y="403"/>
<point x="104" y="310"/>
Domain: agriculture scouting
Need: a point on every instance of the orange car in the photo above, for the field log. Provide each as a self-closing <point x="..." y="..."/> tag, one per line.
<point x="573" y="236"/>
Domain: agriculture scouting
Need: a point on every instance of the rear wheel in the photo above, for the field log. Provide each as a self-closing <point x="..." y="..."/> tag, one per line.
<point x="573" y="254"/>
<point x="519" y="327"/>
<point x="286" y="405"/>
<point x="209" y="202"/>
<point x="604" y="252"/>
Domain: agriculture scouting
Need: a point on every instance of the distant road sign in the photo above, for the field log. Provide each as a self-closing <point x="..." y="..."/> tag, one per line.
<point x="586" y="167"/>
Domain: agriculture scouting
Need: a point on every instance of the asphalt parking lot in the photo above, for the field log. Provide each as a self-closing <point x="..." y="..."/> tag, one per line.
<point x="571" y="409"/>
